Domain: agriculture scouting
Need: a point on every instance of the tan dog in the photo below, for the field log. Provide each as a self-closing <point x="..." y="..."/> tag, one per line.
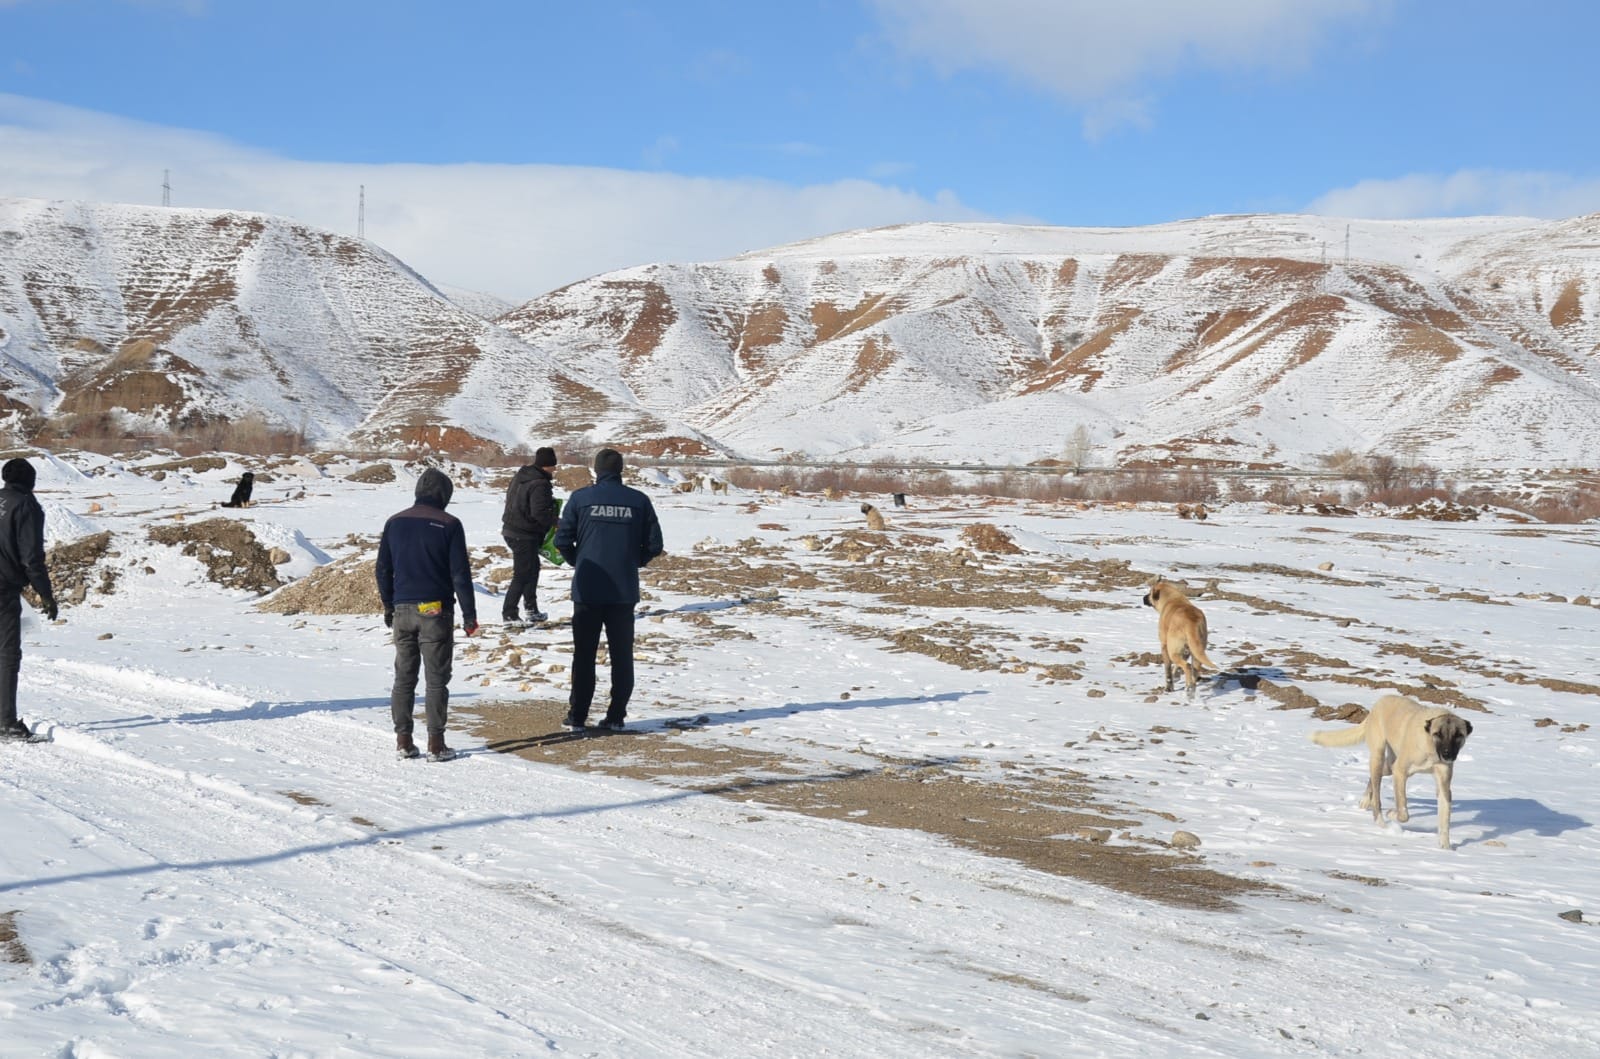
<point x="1405" y="738"/>
<point x="1182" y="628"/>
<point x="874" y="517"/>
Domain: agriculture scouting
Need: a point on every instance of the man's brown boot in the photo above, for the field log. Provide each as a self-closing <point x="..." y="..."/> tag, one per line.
<point x="437" y="751"/>
<point x="404" y="748"/>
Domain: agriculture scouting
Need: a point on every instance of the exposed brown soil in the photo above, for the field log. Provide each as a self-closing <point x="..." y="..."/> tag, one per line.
<point x="830" y="322"/>
<point x="231" y="554"/>
<point x="1568" y="308"/>
<point x="1050" y="822"/>
<point x="875" y="357"/>
<point x="348" y="586"/>
<point x="75" y="569"/>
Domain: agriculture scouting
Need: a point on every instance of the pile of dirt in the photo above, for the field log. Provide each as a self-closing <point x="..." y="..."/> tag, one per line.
<point x="1438" y="511"/>
<point x="987" y="537"/>
<point x="349" y="586"/>
<point x="195" y="464"/>
<point x="231" y="554"/>
<point x="372" y="474"/>
<point x="75" y="570"/>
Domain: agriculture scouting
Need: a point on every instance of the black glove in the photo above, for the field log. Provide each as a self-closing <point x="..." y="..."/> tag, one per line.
<point x="50" y="608"/>
<point x="388" y="617"/>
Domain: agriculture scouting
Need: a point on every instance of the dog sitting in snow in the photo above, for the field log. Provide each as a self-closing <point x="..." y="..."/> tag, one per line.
<point x="874" y="517"/>
<point x="241" y="492"/>
<point x="1404" y="738"/>
<point x="1182" y="629"/>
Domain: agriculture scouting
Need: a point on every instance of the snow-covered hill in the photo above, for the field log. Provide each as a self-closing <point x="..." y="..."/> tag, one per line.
<point x="1250" y="340"/>
<point x="1241" y="339"/>
<point x="169" y="318"/>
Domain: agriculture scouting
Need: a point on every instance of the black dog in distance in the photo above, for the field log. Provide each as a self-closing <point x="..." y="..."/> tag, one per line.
<point x="241" y="492"/>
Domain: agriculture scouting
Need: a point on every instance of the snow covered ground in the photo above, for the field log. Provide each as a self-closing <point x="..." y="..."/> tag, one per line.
<point x="216" y="854"/>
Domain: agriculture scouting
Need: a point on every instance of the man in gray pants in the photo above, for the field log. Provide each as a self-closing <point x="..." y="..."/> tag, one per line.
<point x="422" y="563"/>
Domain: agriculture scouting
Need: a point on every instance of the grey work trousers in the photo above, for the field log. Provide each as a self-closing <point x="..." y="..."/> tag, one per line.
<point x="422" y="642"/>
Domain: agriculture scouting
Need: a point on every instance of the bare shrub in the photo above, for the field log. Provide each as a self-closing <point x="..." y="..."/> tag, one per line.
<point x="1581" y="504"/>
<point x="108" y="434"/>
<point x="1409" y="495"/>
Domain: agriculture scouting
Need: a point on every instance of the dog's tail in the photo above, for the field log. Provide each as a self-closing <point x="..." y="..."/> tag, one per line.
<point x="1350" y="736"/>
<point x="1197" y="651"/>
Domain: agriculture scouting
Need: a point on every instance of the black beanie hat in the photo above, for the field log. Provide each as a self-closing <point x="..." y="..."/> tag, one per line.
<point x="544" y="457"/>
<point x="20" y="473"/>
<point x="435" y="485"/>
<point x="607" y="461"/>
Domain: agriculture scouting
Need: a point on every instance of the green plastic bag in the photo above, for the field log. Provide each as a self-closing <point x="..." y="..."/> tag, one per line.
<point x="548" y="548"/>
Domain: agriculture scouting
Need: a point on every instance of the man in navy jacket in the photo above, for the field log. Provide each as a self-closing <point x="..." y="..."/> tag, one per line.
<point x="422" y="562"/>
<point x="606" y="533"/>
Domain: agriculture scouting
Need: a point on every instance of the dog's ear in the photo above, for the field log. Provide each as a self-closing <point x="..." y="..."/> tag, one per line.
<point x="1427" y="726"/>
<point x="1467" y="725"/>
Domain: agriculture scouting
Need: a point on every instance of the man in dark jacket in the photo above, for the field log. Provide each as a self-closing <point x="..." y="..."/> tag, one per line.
<point x="530" y="512"/>
<point x="422" y="561"/>
<point x="21" y="565"/>
<point x="607" y="532"/>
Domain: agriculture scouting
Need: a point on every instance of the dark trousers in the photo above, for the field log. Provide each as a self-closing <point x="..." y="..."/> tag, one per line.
<point x="588" y="619"/>
<point x="421" y="641"/>
<point x="524" y="587"/>
<point x="11" y="653"/>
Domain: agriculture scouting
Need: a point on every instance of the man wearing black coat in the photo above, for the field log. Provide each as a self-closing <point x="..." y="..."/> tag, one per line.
<point x="21" y="565"/>
<point x="530" y="512"/>
<point x="422" y="562"/>
<point x="607" y="532"/>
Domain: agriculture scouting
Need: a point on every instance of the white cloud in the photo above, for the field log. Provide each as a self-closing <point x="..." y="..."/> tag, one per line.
<point x="510" y="230"/>
<point x="1468" y="192"/>
<point x="1092" y="50"/>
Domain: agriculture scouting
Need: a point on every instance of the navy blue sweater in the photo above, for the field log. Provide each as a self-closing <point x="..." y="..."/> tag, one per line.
<point x="422" y="556"/>
<point x="607" y="531"/>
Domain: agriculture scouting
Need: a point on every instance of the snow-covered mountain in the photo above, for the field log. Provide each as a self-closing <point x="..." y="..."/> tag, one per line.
<point x="1246" y="339"/>
<point x="168" y="318"/>
<point x="1254" y="340"/>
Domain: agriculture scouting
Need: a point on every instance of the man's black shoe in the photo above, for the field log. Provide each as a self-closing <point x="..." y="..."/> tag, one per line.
<point x="611" y="724"/>
<point x="16" y="732"/>
<point x="573" y="723"/>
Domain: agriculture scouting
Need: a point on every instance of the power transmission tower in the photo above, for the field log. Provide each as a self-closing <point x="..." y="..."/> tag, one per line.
<point x="361" y="213"/>
<point x="166" y="187"/>
<point x="1347" y="246"/>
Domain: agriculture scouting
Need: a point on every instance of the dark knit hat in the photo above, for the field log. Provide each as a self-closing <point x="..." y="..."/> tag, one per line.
<point x="20" y="473"/>
<point x="435" y="485"/>
<point x="607" y="461"/>
<point x="544" y="457"/>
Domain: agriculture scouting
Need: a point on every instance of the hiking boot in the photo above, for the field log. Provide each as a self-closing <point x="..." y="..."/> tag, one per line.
<point x="572" y="722"/>
<point x="15" y="732"/>
<point x="437" y="751"/>
<point x="611" y="724"/>
<point x="536" y="617"/>
<point x="405" y="749"/>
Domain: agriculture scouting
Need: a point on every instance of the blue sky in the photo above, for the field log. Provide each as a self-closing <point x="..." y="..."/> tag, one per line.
<point x="512" y="147"/>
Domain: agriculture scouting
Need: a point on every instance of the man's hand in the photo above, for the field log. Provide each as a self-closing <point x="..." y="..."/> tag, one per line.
<point x="50" y="609"/>
<point x="388" y="617"/>
<point x="470" y="629"/>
